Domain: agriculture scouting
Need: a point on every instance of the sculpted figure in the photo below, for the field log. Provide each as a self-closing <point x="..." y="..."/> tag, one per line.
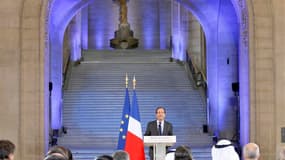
<point x="123" y="12"/>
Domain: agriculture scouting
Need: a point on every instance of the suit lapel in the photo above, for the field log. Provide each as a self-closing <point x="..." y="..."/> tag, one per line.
<point x="156" y="128"/>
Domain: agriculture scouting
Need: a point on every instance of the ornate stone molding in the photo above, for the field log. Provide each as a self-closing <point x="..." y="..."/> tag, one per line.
<point x="49" y="4"/>
<point x="244" y="23"/>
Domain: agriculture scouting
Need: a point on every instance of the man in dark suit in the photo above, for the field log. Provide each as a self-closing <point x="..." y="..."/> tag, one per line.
<point x="158" y="127"/>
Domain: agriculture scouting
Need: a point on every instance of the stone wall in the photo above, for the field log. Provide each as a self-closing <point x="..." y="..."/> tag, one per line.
<point x="22" y="72"/>
<point x="23" y="84"/>
<point x="263" y="104"/>
<point x="10" y="70"/>
<point x="279" y="65"/>
<point x="267" y="74"/>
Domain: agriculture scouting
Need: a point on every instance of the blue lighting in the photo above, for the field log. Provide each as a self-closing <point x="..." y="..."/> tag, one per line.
<point x="243" y="73"/>
<point x="163" y="36"/>
<point x="177" y="51"/>
<point x="148" y="25"/>
<point x="61" y="13"/>
<point x="101" y="24"/>
<point x="75" y="38"/>
<point x="179" y="36"/>
<point x="84" y="28"/>
<point x="221" y="27"/>
<point x="99" y="41"/>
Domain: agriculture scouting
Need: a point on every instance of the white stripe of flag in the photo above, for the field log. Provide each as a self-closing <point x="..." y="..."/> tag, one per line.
<point x="135" y="127"/>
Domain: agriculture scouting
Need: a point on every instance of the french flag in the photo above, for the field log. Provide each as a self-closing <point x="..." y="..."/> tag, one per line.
<point x="134" y="139"/>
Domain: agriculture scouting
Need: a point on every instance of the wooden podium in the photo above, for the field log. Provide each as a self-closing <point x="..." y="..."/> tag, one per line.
<point x="159" y="144"/>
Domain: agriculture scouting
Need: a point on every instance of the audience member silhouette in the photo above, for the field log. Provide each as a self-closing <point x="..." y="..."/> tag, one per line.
<point x="224" y="150"/>
<point x="105" y="157"/>
<point x="7" y="149"/>
<point x="251" y="151"/>
<point x="183" y="153"/>
<point x="60" y="150"/>
<point x="281" y="155"/>
<point x="55" y="156"/>
<point x="121" y="155"/>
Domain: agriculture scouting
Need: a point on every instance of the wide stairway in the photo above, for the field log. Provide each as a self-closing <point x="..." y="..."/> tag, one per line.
<point x="94" y="98"/>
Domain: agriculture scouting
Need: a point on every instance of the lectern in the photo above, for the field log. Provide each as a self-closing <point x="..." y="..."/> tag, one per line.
<point x="159" y="144"/>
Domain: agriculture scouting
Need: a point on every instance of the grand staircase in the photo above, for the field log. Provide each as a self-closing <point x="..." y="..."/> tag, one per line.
<point x="94" y="97"/>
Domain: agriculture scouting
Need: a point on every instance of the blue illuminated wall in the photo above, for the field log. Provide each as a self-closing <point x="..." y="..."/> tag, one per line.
<point x="84" y="28"/>
<point x="220" y="24"/>
<point x="102" y="22"/>
<point x="74" y="32"/>
<point x="180" y="31"/>
<point x="242" y="14"/>
<point x="164" y="23"/>
<point x="61" y="13"/>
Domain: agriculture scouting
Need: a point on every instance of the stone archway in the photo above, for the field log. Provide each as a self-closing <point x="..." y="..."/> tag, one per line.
<point x="34" y="75"/>
<point x="32" y="131"/>
<point x="60" y="14"/>
<point x="220" y="23"/>
<point x="256" y="75"/>
<point x="58" y="23"/>
<point x="242" y="13"/>
<point x="262" y="92"/>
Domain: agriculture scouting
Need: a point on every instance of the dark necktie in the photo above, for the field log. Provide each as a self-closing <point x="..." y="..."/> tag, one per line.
<point x="159" y="128"/>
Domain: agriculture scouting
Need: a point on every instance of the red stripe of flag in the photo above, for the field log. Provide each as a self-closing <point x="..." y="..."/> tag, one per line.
<point x="135" y="147"/>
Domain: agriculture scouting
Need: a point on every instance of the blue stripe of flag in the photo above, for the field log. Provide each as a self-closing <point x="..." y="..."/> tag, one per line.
<point x="124" y="122"/>
<point x="135" y="107"/>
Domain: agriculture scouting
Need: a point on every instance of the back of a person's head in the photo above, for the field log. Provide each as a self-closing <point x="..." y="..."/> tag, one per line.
<point x="105" y="157"/>
<point x="65" y="152"/>
<point x="251" y="151"/>
<point x="7" y="149"/>
<point x="281" y="155"/>
<point x="55" y="156"/>
<point x="224" y="150"/>
<point x="183" y="153"/>
<point x="121" y="155"/>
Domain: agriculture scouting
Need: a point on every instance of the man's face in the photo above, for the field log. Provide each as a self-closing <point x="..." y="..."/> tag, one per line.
<point x="160" y="114"/>
<point x="11" y="156"/>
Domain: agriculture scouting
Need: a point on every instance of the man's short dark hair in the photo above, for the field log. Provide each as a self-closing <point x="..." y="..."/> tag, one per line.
<point x="65" y="152"/>
<point x="105" y="157"/>
<point x="55" y="157"/>
<point x="6" y="148"/>
<point x="121" y="155"/>
<point x="183" y="153"/>
<point x="160" y="107"/>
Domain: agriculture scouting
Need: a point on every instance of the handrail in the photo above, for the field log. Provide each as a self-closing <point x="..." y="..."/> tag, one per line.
<point x="196" y="69"/>
<point x="66" y="61"/>
<point x="66" y="68"/>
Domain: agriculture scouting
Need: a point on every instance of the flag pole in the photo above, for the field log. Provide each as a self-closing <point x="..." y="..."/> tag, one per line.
<point x="134" y="82"/>
<point x="127" y="80"/>
<point x="125" y="118"/>
<point x="134" y="141"/>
